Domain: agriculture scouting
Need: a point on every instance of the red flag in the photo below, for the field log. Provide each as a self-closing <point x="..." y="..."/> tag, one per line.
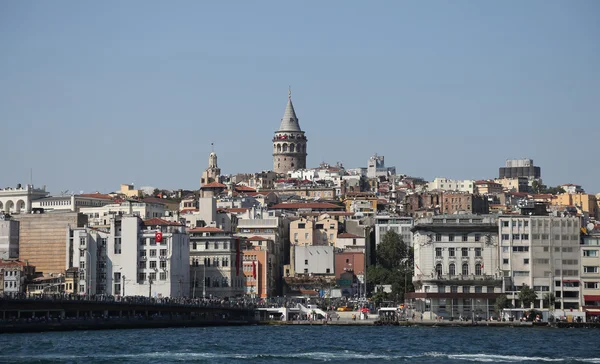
<point x="254" y="268"/>
<point x="158" y="237"/>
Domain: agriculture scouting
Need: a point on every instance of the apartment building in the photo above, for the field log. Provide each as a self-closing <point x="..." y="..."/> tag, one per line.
<point x="445" y="184"/>
<point x="102" y="215"/>
<point x="215" y="257"/>
<point x="320" y="230"/>
<point x="71" y="203"/>
<point x="9" y="237"/>
<point x="400" y="225"/>
<point x="132" y="257"/>
<point x="456" y="266"/>
<point x="542" y="252"/>
<point x="590" y="272"/>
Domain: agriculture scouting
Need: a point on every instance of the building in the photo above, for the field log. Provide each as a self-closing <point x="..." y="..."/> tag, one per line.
<point x="129" y="191"/>
<point x="376" y="167"/>
<point x="520" y="168"/>
<point x="585" y="203"/>
<point x="400" y="225"/>
<point x="102" y="216"/>
<point x="213" y="172"/>
<point x="289" y="142"/>
<point x="314" y="260"/>
<point x="456" y="266"/>
<point x="133" y="258"/>
<point x="9" y="237"/>
<point x="215" y="263"/>
<point x="445" y="184"/>
<point x="464" y="203"/>
<point x="590" y="272"/>
<point x="310" y="231"/>
<point x="18" y="200"/>
<point x="350" y="241"/>
<point x="42" y="239"/>
<point x="15" y="275"/>
<point x="543" y="253"/>
<point x="488" y="188"/>
<point x="260" y="274"/>
<point x="516" y="184"/>
<point x="71" y="203"/>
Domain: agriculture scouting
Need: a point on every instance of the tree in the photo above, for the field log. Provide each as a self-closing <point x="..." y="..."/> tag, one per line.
<point x="536" y="187"/>
<point x="527" y="296"/>
<point x="394" y="265"/>
<point x="155" y="192"/>
<point x="502" y="302"/>
<point x="549" y="300"/>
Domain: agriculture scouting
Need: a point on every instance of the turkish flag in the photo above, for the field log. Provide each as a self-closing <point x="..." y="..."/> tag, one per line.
<point x="158" y="237"/>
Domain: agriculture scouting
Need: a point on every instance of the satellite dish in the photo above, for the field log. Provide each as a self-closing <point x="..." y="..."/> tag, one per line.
<point x="590" y="227"/>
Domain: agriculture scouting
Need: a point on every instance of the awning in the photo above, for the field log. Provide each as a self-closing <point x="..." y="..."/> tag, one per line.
<point x="593" y="311"/>
<point x="591" y="297"/>
<point x="570" y="281"/>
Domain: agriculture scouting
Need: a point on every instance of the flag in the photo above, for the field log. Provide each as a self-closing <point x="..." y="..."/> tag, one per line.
<point x="254" y="264"/>
<point x="158" y="236"/>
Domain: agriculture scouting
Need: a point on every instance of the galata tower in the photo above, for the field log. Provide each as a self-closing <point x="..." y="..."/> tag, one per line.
<point x="289" y="142"/>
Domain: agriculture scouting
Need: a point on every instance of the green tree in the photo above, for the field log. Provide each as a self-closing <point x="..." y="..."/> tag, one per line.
<point x="502" y="302"/>
<point x="549" y="300"/>
<point x="391" y="251"/>
<point x="527" y="296"/>
<point x="536" y="187"/>
<point x="394" y="265"/>
<point x="155" y="192"/>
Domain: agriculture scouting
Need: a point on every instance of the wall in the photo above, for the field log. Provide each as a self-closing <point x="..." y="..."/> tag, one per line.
<point x="314" y="259"/>
<point x="9" y="239"/>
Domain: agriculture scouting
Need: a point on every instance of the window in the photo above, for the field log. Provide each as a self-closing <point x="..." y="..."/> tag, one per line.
<point x="478" y="252"/>
<point x="163" y="276"/>
<point x="478" y="289"/>
<point x="152" y="276"/>
<point x="194" y="246"/>
<point x="465" y="237"/>
<point x="477" y="269"/>
<point x="505" y="236"/>
<point x="306" y="261"/>
<point x="505" y="223"/>
<point x="465" y="269"/>
<point x="452" y="269"/>
<point x="516" y="236"/>
<point x="477" y="236"/>
<point x="438" y="269"/>
<point x="327" y="270"/>
<point x="438" y="237"/>
<point x="305" y="235"/>
<point x="163" y="264"/>
<point x="153" y="252"/>
<point x="301" y="226"/>
<point x="504" y="261"/>
<point x="206" y="246"/>
<point x="526" y="261"/>
<point x="525" y="223"/>
<point x="438" y="252"/>
<point x="450" y="237"/>
<point x="451" y="252"/>
<point x="520" y="248"/>
<point x="590" y="253"/>
<point x="153" y="264"/>
<point x="590" y="285"/>
<point x="163" y="252"/>
<point x="465" y="252"/>
<point x="590" y="269"/>
<point x="466" y="289"/>
<point x="524" y="236"/>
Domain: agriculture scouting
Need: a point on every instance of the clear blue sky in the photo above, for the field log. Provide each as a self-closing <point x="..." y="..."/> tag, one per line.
<point x="98" y="93"/>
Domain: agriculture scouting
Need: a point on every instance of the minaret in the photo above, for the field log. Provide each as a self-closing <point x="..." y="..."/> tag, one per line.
<point x="289" y="142"/>
<point x="213" y="172"/>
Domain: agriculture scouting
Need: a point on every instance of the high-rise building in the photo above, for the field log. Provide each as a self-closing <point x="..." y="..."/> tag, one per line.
<point x="289" y="142"/>
<point x="520" y="168"/>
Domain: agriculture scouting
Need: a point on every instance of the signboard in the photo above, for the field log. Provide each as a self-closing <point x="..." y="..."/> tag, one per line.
<point x="361" y="278"/>
<point x="344" y="282"/>
<point x="158" y="237"/>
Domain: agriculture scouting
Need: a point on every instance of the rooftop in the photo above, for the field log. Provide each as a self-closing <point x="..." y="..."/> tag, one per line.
<point x="160" y="222"/>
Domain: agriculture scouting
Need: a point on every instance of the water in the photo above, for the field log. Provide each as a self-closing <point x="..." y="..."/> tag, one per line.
<point x="306" y="344"/>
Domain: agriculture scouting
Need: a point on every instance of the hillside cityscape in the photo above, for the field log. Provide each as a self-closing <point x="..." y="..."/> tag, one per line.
<point x="447" y="248"/>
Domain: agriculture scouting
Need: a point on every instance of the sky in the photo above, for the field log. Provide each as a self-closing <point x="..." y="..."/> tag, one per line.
<point x="95" y="94"/>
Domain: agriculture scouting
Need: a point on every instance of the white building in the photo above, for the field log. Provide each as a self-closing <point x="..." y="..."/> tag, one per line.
<point x="572" y="188"/>
<point x="19" y="199"/>
<point x="71" y="203"/>
<point x="133" y="258"/>
<point x="14" y="275"/>
<point x="590" y="272"/>
<point x="103" y="215"/>
<point x="400" y="225"/>
<point x="377" y="168"/>
<point x="445" y="184"/>
<point x="9" y="238"/>
<point x="214" y="256"/>
<point x="542" y="252"/>
<point x="314" y="259"/>
<point x="456" y="266"/>
<point x="350" y="241"/>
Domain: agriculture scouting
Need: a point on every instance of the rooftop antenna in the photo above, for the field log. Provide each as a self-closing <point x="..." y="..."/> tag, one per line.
<point x="289" y="91"/>
<point x="212" y="147"/>
<point x="31" y="176"/>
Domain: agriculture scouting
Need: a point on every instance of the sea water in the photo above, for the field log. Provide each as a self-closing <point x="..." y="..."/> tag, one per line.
<point x="306" y="344"/>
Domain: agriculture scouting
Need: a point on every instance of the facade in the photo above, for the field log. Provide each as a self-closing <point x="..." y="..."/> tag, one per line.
<point x="520" y="168"/>
<point x="18" y="200"/>
<point x="289" y="142"/>
<point x="72" y="203"/>
<point x="582" y="201"/>
<point x="104" y="214"/>
<point x="129" y="191"/>
<point x="445" y="184"/>
<point x="400" y="225"/>
<point x="15" y="275"/>
<point x="572" y="188"/>
<point x="590" y="272"/>
<point x="464" y="203"/>
<point x="456" y="266"/>
<point x="310" y="231"/>
<point x="42" y="239"/>
<point x="213" y="172"/>
<point x="515" y="184"/>
<point x="132" y="258"/>
<point x="315" y="260"/>
<point x="259" y="271"/>
<point x="542" y="252"/>
<point x="350" y="241"/>
<point x="349" y="261"/>
<point x="376" y="167"/>
<point x="9" y="238"/>
<point x="488" y="188"/>
<point x="215" y="263"/>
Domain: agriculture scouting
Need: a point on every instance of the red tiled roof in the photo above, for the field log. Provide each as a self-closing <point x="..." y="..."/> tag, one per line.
<point x="348" y="235"/>
<point x="257" y="238"/>
<point x="96" y="195"/>
<point x="156" y="221"/>
<point x="12" y="263"/>
<point x="323" y="205"/>
<point x="206" y="229"/>
<point x="214" y="185"/>
<point x="153" y="200"/>
<point x="187" y="211"/>
<point x="242" y="188"/>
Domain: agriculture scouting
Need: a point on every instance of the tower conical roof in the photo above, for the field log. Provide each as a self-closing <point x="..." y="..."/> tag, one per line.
<point x="289" y="122"/>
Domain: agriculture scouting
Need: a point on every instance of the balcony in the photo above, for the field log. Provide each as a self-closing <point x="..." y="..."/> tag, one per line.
<point x="458" y="279"/>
